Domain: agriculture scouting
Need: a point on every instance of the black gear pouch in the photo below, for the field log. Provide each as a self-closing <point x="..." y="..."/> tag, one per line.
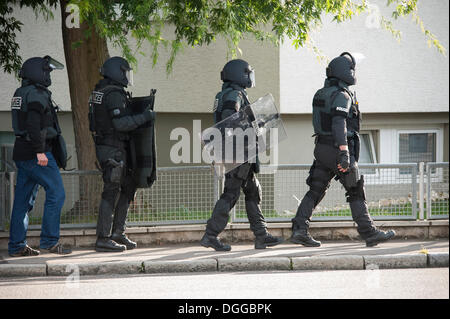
<point x="116" y="170"/>
<point x="357" y="146"/>
<point x="351" y="177"/>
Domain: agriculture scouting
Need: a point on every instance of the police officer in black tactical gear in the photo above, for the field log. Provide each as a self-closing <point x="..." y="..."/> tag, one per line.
<point x="112" y="122"/>
<point x="36" y="128"/>
<point x="336" y="121"/>
<point x="237" y="75"/>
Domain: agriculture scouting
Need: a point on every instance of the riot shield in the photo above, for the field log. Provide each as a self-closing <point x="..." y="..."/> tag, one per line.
<point x="243" y="135"/>
<point x="143" y="138"/>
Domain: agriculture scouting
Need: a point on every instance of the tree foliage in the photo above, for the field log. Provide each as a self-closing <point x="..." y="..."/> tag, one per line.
<point x="10" y="58"/>
<point x="200" y="22"/>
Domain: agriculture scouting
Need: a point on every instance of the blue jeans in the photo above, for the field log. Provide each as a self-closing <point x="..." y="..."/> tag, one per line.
<point x="29" y="176"/>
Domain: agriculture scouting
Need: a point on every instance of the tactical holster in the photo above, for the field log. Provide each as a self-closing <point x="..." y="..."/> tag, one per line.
<point x="116" y="170"/>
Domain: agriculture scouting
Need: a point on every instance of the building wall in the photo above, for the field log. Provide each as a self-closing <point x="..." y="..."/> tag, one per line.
<point x="402" y="86"/>
<point x="38" y="38"/>
<point x="298" y="147"/>
<point x="191" y="86"/>
<point x="394" y="77"/>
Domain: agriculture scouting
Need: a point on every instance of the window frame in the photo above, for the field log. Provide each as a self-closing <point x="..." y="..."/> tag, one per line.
<point x="369" y="176"/>
<point x="438" y="132"/>
<point x="439" y="147"/>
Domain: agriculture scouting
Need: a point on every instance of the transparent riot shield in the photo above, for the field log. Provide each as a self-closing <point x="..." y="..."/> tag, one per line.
<point x="242" y="136"/>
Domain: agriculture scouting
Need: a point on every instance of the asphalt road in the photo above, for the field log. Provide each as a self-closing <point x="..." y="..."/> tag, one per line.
<point x="349" y="284"/>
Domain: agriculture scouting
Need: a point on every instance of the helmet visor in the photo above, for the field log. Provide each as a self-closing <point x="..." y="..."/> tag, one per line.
<point x="129" y="75"/>
<point x="359" y="57"/>
<point x="251" y="76"/>
<point x="54" y="64"/>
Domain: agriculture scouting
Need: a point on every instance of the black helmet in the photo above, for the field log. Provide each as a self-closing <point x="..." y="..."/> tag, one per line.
<point x="118" y="70"/>
<point x="38" y="69"/>
<point x="343" y="68"/>
<point x="239" y="72"/>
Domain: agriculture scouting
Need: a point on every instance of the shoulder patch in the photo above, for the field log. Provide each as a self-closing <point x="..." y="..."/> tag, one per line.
<point x="97" y="97"/>
<point x="16" y="103"/>
<point x="342" y="109"/>
<point x="342" y="101"/>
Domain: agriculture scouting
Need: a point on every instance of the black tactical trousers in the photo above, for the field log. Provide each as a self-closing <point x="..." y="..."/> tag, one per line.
<point x="322" y="171"/>
<point x="241" y="177"/>
<point x="118" y="191"/>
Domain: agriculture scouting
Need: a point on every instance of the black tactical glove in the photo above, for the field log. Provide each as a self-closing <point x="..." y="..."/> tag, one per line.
<point x="344" y="159"/>
<point x="149" y="114"/>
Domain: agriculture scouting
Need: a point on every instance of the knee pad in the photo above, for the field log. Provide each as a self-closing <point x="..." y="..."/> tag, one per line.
<point x="317" y="188"/>
<point x="110" y="191"/>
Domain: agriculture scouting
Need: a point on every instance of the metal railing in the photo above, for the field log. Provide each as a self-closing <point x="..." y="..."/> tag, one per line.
<point x="391" y="193"/>
<point x="437" y="184"/>
<point x="187" y="195"/>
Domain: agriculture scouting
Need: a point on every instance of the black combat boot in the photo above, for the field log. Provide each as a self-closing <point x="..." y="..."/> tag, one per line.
<point x="380" y="236"/>
<point x="302" y="236"/>
<point x="267" y="240"/>
<point x="214" y="242"/>
<point x="108" y="245"/>
<point x="123" y="240"/>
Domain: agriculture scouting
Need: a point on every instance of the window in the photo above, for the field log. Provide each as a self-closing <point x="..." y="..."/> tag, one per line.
<point x="6" y="147"/>
<point x="367" y="154"/>
<point x="416" y="147"/>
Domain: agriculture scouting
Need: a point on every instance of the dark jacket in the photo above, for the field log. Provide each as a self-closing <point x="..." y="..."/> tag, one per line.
<point x="36" y="122"/>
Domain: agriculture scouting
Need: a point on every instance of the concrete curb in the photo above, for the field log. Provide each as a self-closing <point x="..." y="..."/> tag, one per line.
<point x="23" y="270"/>
<point x="437" y="260"/>
<point x="119" y="268"/>
<point x="152" y="267"/>
<point x="349" y="262"/>
<point x="254" y="264"/>
<point x="396" y="261"/>
<point x="342" y="262"/>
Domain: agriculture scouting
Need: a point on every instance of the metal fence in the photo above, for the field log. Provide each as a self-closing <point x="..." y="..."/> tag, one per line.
<point x="3" y="203"/>
<point x="187" y="195"/>
<point x="437" y="185"/>
<point x="391" y="193"/>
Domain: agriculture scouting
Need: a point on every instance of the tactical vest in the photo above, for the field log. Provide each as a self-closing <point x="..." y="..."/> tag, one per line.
<point x="323" y="110"/>
<point x="354" y="117"/>
<point x="100" y="122"/>
<point x="19" y="108"/>
<point x="221" y="98"/>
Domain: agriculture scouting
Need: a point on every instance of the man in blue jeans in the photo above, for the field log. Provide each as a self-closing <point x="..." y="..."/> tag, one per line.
<point x="35" y="126"/>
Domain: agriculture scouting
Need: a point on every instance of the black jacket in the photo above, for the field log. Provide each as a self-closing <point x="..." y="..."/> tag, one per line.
<point x="37" y="123"/>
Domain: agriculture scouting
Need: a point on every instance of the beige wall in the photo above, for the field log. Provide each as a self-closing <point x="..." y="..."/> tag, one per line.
<point x="446" y="142"/>
<point x="385" y="84"/>
<point x="191" y="86"/>
<point x="195" y="79"/>
<point x="394" y="77"/>
<point x="298" y="147"/>
<point x="38" y="38"/>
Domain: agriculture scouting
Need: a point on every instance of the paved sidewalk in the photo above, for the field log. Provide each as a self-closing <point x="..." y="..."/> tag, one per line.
<point x="242" y="257"/>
